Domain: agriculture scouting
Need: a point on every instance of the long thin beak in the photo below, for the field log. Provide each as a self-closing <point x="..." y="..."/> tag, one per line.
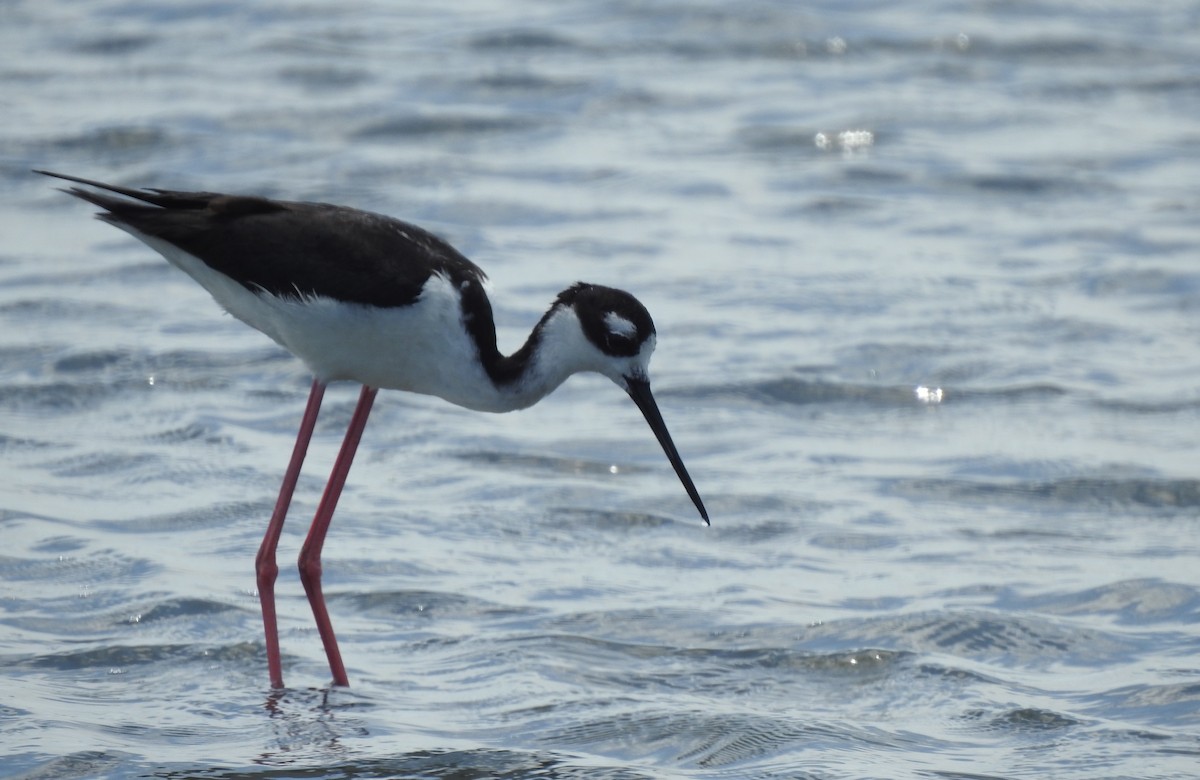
<point x="639" y="391"/>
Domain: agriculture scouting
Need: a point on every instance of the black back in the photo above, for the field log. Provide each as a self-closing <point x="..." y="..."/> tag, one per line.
<point x="297" y="249"/>
<point x="287" y="248"/>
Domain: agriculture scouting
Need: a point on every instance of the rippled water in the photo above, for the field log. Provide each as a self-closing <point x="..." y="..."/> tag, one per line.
<point x="926" y="284"/>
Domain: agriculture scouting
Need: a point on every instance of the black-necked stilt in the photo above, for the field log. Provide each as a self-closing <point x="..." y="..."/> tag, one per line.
<point x="368" y="298"/>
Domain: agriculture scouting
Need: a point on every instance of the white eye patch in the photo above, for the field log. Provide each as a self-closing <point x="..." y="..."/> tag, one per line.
<point x="619" y="326"/>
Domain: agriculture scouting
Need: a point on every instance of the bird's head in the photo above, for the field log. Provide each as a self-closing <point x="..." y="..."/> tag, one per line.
<point x="617" y="332"/>
<point x="611" y="333"/>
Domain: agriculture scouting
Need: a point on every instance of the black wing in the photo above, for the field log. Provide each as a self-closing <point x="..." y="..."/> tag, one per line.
<point x="289" y="249"/>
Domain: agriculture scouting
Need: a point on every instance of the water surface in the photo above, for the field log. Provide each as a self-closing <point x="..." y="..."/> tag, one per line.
<point x="926" y="288"/>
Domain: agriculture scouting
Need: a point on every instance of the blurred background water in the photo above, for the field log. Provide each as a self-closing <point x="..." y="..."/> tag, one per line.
<point x="926" y="285"/>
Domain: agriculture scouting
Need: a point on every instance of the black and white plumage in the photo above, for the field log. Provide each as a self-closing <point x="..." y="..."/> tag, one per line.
<point x="365" y="297"/>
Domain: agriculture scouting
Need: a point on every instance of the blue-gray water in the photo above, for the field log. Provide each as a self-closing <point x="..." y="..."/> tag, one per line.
<point x="927" y="284"/>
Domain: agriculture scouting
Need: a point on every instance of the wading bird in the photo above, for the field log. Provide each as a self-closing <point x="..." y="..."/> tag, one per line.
<point x="368" y="298"/>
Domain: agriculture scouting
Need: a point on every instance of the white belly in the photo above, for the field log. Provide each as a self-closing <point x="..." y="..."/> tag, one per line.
<point x="421" y="348"/>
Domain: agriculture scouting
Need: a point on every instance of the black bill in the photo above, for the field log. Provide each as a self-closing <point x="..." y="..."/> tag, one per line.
<point x="639" y="391"/>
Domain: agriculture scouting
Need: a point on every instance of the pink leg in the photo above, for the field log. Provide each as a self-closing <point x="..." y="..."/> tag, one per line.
<point x="264" y="564"/>
<point x="310" y="553"/>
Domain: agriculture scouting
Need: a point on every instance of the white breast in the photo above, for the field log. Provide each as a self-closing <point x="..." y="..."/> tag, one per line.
<point x="421" y="348"/>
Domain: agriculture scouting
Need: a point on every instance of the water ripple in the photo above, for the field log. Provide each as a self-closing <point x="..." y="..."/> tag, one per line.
<point x="1075" y="492"/>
